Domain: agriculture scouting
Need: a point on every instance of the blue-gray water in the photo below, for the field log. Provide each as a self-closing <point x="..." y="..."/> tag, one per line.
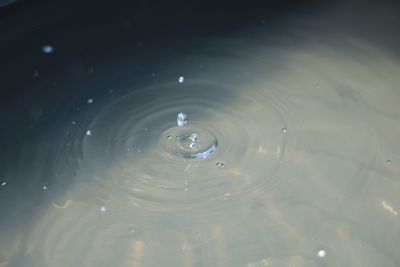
<point x="304" y="117"/>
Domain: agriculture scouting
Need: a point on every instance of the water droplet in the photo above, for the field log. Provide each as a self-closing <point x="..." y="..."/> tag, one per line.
<point x="220" y="164"/>
<point x="181" y="79"/>
<point x="90" y="100"/>
<point x="181" y="119"/>
<point x="45" y="187"/>
<point x="284" y="130"/>
<point x="47" y="49"/>
<point x="388" y="162"/>
<point x="89" y="133"/>
<point x="103" y="209"/>
<point x="321" y="253"/>
<point x="3" y="183"/>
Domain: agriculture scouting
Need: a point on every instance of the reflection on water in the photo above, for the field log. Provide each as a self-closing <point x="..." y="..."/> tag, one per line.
<point x="261" y="156"/>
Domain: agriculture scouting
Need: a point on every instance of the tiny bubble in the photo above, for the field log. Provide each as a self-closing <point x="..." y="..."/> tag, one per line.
<point x="36" y="74"/>
<point x="3" y="183"/>
<point x="220" y="164"/>
<point x="284" y="130"/>
<point x="388" y="162"/>
<point x="139" y="150"/>
<point x="89" y="133"/>
<point x="47" y="49"/>
<point x="169" y="137"/>
<point x="193" y="137"/>
<point x="90" y="100"/>
<point x="132" y="231"/>
<point x="181" y="79"/>
<point x="103" y="209"/>
<point x="45" y="187"/>
<point x="186" y="189"/>
<point x="145" y="129"/>
<point x="227" y="194"/>
<point x="73" y="122"/>
<point x="192" y="145"/>
<point x="321" y="253"/>
<point x="111" y="91"/>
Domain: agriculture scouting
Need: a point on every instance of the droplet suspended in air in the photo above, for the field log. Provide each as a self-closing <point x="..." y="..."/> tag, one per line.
<point x="181" y="119"/>
<point x="321" y="253"/>
<point x="47" y="49"/>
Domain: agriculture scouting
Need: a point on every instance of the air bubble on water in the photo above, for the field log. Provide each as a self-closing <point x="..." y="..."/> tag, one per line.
<point x="192" y="145"/>
<point x="181" y="119"/>
<point x="388" y="162"/>
<point x="220" y="164"/>
<point x="3" y="183"/>
<point x="193" y="137"/>
<point x="89" y="133"/>
<point x="90" y="100"/>
<point x="181" y="79"/>
<point x="321" y="253"/>
<point x="45" y="187"/>
<point x="284" y="130"/>
<point x="103" y="209"/>
<point x="47" y="49"/>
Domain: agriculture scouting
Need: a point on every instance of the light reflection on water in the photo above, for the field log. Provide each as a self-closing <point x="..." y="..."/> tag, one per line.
<point x="305" y="172"/>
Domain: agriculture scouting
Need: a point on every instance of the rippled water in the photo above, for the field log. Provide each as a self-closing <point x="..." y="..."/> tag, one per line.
<point x="294" y="162"/>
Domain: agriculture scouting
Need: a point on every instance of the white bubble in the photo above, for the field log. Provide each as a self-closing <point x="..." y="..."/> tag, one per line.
<point x="193" y="137"/>
<point x="45" y="187"/>
<point x="3" y="183"/>
<point x="321" y="253"/>
<point x="103" y="209"/>
<point x="47" y="49"/>
<point x="181" y="79"/>
<point x="284" y="130"/>
<point x="90" y="100"/>
<point x="73" y="122"/>
<point x="89" y="133"/>
<point x="388" y="162"/>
